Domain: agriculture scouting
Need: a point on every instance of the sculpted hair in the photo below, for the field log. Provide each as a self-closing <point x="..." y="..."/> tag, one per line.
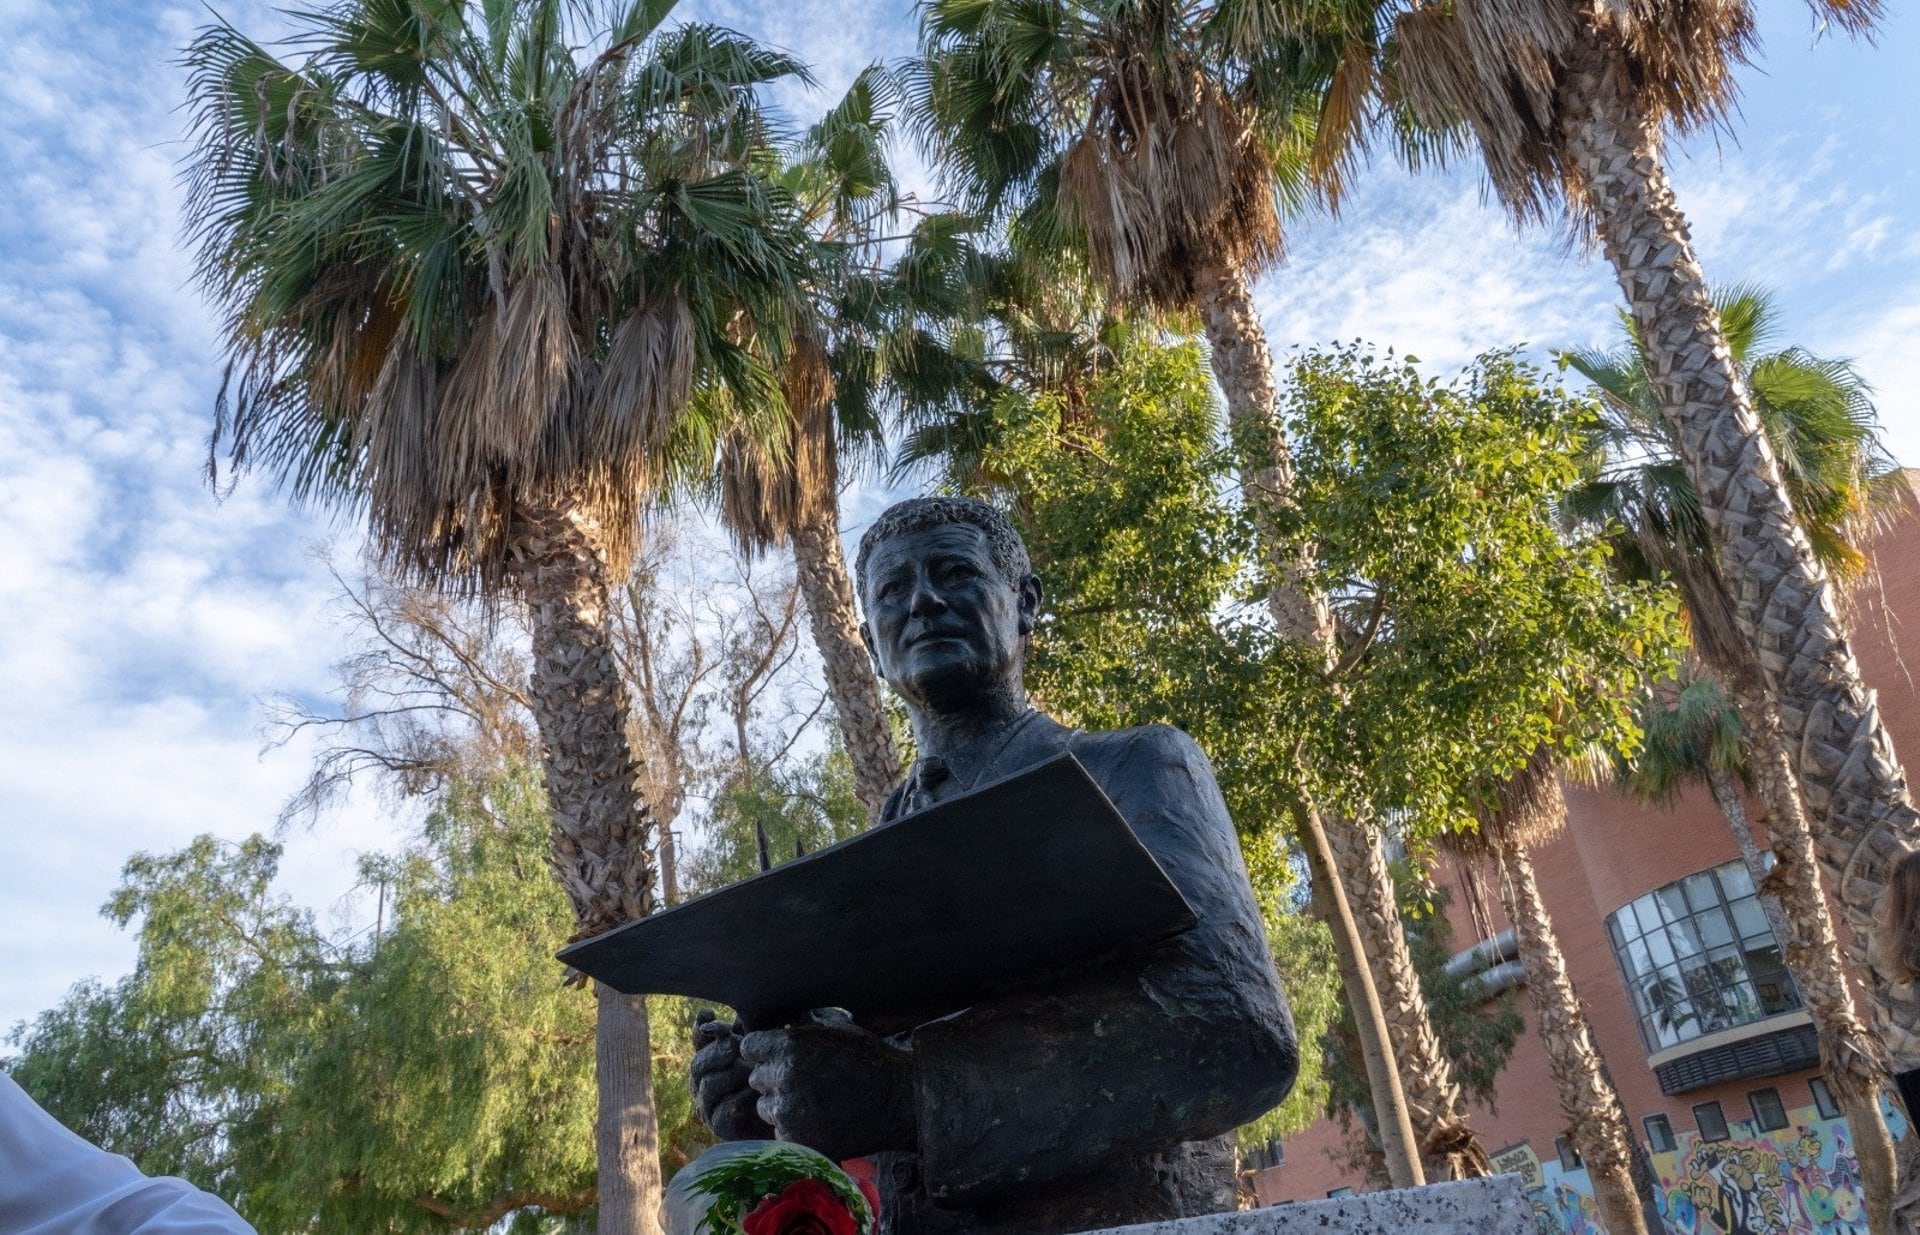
<point x="918" y="513"/>
<point x="1899" y="927"/>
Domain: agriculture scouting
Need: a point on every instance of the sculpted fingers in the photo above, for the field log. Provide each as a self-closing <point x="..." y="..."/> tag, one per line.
<point x="769" y="1055"/>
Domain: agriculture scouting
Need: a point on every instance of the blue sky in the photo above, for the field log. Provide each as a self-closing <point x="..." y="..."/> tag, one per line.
<point x="144" y="619"/>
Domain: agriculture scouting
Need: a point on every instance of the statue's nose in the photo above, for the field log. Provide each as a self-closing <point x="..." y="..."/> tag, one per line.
<point x="925" y="598"/>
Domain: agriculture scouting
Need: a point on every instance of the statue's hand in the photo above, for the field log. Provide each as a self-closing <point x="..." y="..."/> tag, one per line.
<point x="832" y="1086"/>
<point x="721" y="1094"/>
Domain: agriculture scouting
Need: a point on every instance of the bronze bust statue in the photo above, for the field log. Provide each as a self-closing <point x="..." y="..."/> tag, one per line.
<point x="1098" y="1100"/>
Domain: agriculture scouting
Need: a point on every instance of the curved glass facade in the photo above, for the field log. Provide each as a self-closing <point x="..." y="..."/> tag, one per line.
<point x="1699" y="957"/>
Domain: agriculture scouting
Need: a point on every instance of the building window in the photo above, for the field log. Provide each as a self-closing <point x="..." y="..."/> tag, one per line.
<point x="1768" y="1113"/>
<point x="1659" y="1133"/>
<point x="1823" y="1098"/>
<point x="1569" y="1156"/>
<point x="1337" y="1193"/>
<point x="1711" y="1121"/>
<point x="1698" y="957"/>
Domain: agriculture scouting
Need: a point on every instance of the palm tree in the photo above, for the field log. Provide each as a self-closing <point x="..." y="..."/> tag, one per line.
<point x="1819" y="420"/>
<point x="1521" y="812"/>
<point x="1568" y="103"/>
<point x="787" y="492"/>
<point x="476" y="263"/>
<point x="1161" y="142"/>
<point x="1695" y="733"/>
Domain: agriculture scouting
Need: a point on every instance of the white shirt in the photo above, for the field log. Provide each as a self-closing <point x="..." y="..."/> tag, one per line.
<point x="54" y="1183"/>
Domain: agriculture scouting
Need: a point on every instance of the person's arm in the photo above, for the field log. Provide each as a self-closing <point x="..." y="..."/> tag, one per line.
<point x="54" y="1183"/>
<point x="1188" y="1044"/>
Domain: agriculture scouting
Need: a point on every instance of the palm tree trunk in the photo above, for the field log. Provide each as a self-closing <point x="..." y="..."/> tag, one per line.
<point x="1595" y="1121"/>
<point x="827" y="587"/>
<point x="626" y="1131"/>
<point x="1448" y="1147"/>
<point x="600" y="826"/>
<point x="1850" y="1058"/>
<point x="1391" y="1120"/>
<point x="1243" y="365"/>
<point x="1863" y="815"/>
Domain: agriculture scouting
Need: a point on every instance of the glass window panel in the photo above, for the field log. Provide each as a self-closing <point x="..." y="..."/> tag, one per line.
<point x="1673" y="904"/>
<point x="1711" y="1121"/>
<point x="1716" y="929"/>
<point x="1613" y="932"/>
<point x="1646" y="913"/>
<point x="1768" y="1112"/>
<point x="1735" y="881"/>
<point x="1702" y="892"/>
<point x="1639" y="960"/>
<point x="1658" y="947"/>
<point x="1750" y="919"/>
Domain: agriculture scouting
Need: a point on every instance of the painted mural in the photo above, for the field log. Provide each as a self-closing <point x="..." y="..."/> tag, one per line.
<point x="1800" y="1180"/>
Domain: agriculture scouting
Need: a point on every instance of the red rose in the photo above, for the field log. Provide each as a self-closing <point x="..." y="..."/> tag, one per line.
<point x="804" y="1207"/>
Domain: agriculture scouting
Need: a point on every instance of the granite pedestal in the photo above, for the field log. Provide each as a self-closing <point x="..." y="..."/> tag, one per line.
<point x="1493" y="1206"/>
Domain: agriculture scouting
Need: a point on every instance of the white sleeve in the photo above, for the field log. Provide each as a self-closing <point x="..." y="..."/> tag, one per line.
<point x="54" y="1183"/>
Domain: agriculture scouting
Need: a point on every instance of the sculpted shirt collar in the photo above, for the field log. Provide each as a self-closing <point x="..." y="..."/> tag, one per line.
<point x="1027" y="741"/>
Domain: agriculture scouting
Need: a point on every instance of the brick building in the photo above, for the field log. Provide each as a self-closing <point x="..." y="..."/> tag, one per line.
<point x="1701" y="1028"/>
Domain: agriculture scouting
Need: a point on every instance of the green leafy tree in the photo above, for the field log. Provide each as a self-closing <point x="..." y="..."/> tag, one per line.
<point x="1469" y="623"/>
<point x="783" y="811"/>
<point x="483" y="267"/>
<point x="184" y="1064"/>
<point x="434" y="1074"/>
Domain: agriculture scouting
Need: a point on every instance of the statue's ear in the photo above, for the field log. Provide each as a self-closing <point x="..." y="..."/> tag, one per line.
<point x="873" y="656"/>
<point x="1031" y="594"/>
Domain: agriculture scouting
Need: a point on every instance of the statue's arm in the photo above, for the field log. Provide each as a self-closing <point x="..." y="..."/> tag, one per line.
<point x="1189" y="1042"/>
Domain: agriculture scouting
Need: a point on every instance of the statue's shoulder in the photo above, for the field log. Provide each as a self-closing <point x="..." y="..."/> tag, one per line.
<point x="1140" y="744"/>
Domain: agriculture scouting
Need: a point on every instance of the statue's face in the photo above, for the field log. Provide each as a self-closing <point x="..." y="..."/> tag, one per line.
<point x="945" y="626"/>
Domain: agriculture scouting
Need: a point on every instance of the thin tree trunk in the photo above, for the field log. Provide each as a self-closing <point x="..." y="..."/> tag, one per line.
<point x="1863" y="815"/>
<point x="827" y="587"/>
<point x="1395" y="1129"/>
<point x="669" y="865"/>
<point x="1448" y="1147"/>
<point x="1850" y="1057"/>
<point x="627" y="1131"/>
<point x="1726" y="795"/>
<point x="1595" y="1121"/>
<point x="600" y="827"/>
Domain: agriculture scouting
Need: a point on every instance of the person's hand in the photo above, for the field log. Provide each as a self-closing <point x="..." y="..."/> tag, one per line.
<point x="832" y="1086"/>
<point x="721" y="1094"/>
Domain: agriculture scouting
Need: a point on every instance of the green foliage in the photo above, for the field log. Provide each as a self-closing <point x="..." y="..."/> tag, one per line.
<point x="182" y="1065"/>
<point x="738" y="1182"/>
<point x="1474" y="632"/>
<point x="801" y="805"/>
<point x="452" y="1063"/>
<point x="436" y="1074"/>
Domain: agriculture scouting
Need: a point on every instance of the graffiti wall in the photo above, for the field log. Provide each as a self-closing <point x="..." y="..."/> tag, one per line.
<point x="1800" y="1180"/>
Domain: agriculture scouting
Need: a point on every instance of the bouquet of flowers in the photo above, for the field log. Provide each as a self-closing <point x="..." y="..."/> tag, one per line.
<point x="780" y="1189"/>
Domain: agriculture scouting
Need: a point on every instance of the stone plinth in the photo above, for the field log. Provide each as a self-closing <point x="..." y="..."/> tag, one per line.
<point x="1471" y="1207"/>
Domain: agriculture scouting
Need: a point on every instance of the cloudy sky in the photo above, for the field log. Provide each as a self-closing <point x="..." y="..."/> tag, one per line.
<point x="141" y="620"/>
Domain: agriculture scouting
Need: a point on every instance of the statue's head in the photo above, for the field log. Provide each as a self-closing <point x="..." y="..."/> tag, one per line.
<point x="950" y="600"/>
